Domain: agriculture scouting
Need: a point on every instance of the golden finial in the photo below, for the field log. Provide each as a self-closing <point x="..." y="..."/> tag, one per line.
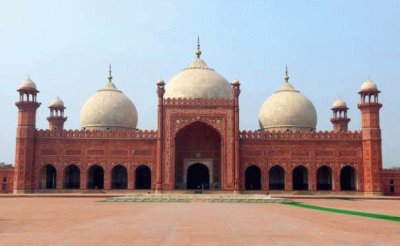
<point x="109" y="74"/>
<point x="286" y="75"/>
<point x="198" y="51"/>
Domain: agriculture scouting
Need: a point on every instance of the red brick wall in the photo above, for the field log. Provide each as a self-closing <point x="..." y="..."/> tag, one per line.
<point x="6" y="179"/>
<point x="391" y="181"/>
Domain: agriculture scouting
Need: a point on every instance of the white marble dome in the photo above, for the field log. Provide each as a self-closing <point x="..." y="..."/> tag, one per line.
<point x="198" y="81"/>
<point x="27" y="84"/>
<point x="108" y="109"/>
<point x="369" y="85"/>
<point x="339" y="103"/>
<point x="57" y="102"/>
<point x="287" y="110"/>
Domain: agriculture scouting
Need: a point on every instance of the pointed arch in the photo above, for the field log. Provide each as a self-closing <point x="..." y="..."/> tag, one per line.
<point x="48" y="177"/>
<point x="348" y="178"/>
<point x="142" y="177"/>
<point x="300" y="178"/>
<point x="324" y="178"/>
<point x="72" y="176"/>
<point x="253" y="178"/>
<point x="119" y="177"/>
<point x="276" y="178"/>
<point x="95" y="177"/>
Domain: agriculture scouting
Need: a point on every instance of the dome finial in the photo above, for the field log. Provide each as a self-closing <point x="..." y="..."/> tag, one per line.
<point x="286" y="75"/>
<point x="109" y="74"/>
<point x="198" y="51"/>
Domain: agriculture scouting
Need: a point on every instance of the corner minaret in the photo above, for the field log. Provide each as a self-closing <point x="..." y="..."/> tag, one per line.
<point x="371" y="137"/>
<point x="56" y="118"/>
<point x="339" y="120"/>
<point x="25" y="142"/>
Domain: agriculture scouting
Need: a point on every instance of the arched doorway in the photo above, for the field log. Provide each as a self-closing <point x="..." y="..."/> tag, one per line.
<point x="348" y="178"/>
<point x="196" y="143"/>
<point x="324" y="178"/>
<point x="253" y="178"/>
<point x="96" y="177"/>
<point x="48" y="177"/>
<point x="300" y="178"/>
<point x="198" y="177"/>
<point x="72" y="177"/>
<point x="143" y="177"/>
<point x="119" y="177"/>
<point x="276" y="178"/>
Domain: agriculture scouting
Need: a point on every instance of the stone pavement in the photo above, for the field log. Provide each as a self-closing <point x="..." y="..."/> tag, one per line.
<point x="85" y="221"/>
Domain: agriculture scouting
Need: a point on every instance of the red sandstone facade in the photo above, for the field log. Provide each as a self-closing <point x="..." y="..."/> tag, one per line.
<point x="198" y="144"/>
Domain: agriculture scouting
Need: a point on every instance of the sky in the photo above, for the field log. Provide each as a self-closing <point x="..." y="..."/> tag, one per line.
<point x="330" y="48"/>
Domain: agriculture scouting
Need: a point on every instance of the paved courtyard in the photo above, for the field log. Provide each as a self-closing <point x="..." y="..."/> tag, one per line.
<point x="86" y="221"/>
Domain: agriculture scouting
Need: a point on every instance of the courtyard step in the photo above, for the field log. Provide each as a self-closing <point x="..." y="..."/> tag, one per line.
<point x="241" y="198"/>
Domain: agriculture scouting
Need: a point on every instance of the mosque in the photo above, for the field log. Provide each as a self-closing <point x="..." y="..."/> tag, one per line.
<point x="198" y="143"/>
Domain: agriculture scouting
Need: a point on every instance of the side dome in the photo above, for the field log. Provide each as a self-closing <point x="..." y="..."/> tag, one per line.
<point x="287" y="109"/>
<point x="57" y="102"/>
<point x="369" y="85"/>
<point x="339" y="103"/>
<point x="27" y="84"/>
<point x="198" y="81"/>
<point x="108" y="109"/>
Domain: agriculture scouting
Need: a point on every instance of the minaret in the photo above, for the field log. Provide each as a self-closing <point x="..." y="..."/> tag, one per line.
<point x="236" y="92"/>
<point x="160" y="135"/>
<point x="56" y="118"/>
<point x="339" y="120"/>
<point x="25" y="142"/>
<point x="371" y="137"/>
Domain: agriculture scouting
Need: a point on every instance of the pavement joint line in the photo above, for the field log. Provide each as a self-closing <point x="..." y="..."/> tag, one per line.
<point x="344" y="211"/>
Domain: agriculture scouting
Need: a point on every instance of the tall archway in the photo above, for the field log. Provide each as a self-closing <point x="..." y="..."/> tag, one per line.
<point x="95" y="177"/>
<point x="347" y="178"/>
<point x="72" y="176"/>
<point x="253" y="178"/>
<point x="195" y="143"/>
<point x="300" y="178"/>
<point x="119" y="177"/>
<point x="276" y="178"/>
<point x="324" y="178"/>
<point x="198" y="177"/>
<point x="143" y="177"/>
<point x="48" y="177"/>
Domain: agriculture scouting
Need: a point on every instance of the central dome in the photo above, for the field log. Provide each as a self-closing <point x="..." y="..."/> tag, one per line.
<point x="198" y="81"/>
<point x="288" y="110"/>
<point x="108" y="109"/>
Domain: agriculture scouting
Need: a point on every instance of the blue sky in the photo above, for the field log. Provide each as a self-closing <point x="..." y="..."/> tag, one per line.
<point x="330" y="48"/>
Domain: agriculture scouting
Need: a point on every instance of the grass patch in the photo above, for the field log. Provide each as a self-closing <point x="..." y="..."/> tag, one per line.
<point x="348" y="212"/>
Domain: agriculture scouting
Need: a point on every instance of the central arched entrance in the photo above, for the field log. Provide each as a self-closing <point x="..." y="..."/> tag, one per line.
<point x="198" y="144"/>
<point x="198" y="177"/>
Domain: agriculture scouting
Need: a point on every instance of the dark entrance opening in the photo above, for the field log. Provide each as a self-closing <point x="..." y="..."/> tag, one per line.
<point x="276" y="178"/>
<point x="198" y="177"/>
<point x="300" y="178"/>
<point x="143" y="177"/>
<point x="347" y="178"/>
<point x="119" y="177"/>
<point x="49" y="175"/>
<point x="253" y="178"/>
<point x="324" y="178"/>
<point x="96" y="177"/>
<point x="72" y="177"/>
<point x="198" y="140"/>
<point x="391" y="186"/>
